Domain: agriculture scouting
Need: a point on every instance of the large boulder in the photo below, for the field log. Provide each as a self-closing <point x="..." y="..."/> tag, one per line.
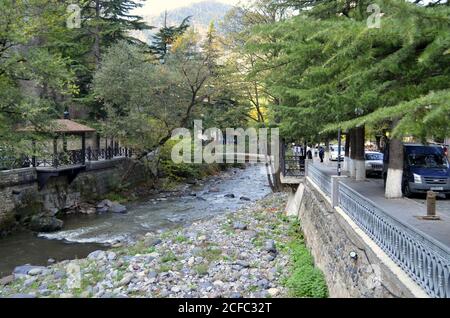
<point x="118" y="208"/>
<point x="26" y="269"/>
<point x="45" y="223"/>
<point x="104" y="203"/>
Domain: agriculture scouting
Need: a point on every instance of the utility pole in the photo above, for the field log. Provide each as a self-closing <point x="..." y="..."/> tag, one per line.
<point x="339" y="153"/>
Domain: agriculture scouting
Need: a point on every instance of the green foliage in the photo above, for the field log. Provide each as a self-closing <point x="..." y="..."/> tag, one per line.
<point x="166" y="36"/>
<point x="333" y="71"/>
<point x="305" y="279"/>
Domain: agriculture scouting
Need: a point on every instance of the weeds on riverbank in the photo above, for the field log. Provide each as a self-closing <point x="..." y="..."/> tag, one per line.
<point x="305" y="279"/>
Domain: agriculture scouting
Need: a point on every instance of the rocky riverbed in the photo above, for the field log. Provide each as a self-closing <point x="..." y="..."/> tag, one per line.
<point x="240" y="254"/>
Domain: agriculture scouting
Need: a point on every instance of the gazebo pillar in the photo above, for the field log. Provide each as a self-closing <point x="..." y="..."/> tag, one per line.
<point x="33" y="147"/>
<point x="64" y="143"/>
<point x="83" y="148"/>
<point x="55" y="151"/>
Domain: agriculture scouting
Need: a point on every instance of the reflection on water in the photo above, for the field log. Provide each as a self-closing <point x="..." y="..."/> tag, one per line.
<point x="85" y="233"/>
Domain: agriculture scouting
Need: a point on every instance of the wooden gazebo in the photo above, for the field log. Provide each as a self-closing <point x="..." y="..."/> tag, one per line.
<point x="76" y="159"/>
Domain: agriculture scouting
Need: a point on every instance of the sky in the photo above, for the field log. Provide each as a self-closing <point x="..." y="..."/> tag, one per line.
<point x="155" y="7"/>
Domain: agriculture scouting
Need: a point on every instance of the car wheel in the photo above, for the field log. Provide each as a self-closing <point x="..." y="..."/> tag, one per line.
<point x="406" y="190"/>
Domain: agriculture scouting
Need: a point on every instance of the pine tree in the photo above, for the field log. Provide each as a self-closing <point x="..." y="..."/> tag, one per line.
<point x="166" y="36"/>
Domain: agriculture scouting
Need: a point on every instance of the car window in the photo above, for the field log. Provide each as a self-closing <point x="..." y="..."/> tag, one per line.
<point x="427" y="157"/>
<point x="374" y="156"/>
<point x="427" y="160"/>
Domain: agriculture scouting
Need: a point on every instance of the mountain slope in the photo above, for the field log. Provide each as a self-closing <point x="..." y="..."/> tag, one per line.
<point x="202" y="14"/>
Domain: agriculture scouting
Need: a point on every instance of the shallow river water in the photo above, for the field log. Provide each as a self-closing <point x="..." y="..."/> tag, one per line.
<point x="83" y="234"/>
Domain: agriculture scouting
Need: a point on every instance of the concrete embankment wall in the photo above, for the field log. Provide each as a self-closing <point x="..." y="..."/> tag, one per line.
<point x="20" y="198"/>
<point x="354" y="266"/>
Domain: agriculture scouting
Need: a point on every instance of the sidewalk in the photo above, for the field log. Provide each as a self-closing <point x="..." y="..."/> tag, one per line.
<point x="404" y="210"/>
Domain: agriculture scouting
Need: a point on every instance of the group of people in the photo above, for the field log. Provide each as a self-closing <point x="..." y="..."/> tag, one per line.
<point x="298" y="150"/>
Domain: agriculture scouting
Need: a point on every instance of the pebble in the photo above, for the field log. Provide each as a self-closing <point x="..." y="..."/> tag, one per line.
<point x="273" y="292"/>
<point x="239" y="226"/>
<point x="126" y="279"/>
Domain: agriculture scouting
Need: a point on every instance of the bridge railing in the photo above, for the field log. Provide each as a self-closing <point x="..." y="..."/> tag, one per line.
<point x="320" y="178"/>
<point x="64" y="158"/>
<point x="423" y="258"/>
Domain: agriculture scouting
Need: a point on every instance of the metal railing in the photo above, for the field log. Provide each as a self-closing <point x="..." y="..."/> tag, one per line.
<point x="423" y="258"/>
<point x="65" y="158"/>
<point x="320" y="178"/>
<point x="293" y="166"/>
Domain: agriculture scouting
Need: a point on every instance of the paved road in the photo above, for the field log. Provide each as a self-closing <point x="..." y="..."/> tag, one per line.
<point x="405" y="210"/>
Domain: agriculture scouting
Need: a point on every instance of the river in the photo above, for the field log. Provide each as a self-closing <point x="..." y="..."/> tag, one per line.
<point x="83" y="234"/>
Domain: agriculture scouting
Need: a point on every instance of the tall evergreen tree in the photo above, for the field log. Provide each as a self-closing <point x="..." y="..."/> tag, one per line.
<point x="166" y="36"/>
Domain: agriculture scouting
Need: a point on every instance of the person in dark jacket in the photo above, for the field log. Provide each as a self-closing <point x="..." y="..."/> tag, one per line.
<point x="321" y="153"/>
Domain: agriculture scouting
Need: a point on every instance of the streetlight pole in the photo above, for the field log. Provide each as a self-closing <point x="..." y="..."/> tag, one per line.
<point x="339" y="153"/>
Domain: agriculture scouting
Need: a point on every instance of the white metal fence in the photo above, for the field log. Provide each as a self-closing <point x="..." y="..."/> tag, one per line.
<point x="424" y="259"/>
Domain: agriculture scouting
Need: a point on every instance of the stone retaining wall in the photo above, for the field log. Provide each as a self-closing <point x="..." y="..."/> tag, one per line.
<point x="20" y="198"/>
<point x="352" y="264"/>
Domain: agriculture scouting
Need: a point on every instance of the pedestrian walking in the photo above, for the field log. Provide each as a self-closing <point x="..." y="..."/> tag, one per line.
<point x="321" y="153"/>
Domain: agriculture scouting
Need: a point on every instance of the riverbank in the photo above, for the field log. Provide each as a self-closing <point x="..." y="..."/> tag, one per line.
<point x="248" y="253"/>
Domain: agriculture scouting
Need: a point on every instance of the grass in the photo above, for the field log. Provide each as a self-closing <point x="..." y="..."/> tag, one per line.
<point x="116" y="197"/>
<point x="305" y="280"/>
<point x="169" y="257"/>
<point x="211" y="254"/>
<point x="201" y="269"/>
<point x="181" y="239"/>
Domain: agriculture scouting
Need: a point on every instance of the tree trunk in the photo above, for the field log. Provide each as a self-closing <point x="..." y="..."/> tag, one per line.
<point x="395" y="170"/>
<point x="347" y="153"/>
<point x="359" y="160"/>
<point x="351" y="163"/>
<point x="327" y="151"/>
<point x="96" y="46"/>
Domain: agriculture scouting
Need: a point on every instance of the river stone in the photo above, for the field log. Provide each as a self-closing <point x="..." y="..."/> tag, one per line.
<point x="244" y="198"/>
<point x="175" y="289"/>
<point x="103" y="209"/>
<point x="230" y="195"/>
<point x="148" y="241"/>
<point x="104" y="203"/>
<point x="35" y="271"/>
<point x="97" y="255"/>
<point x="6" y="280"/>
<point x="273" y="292"/>
<point x="111" y="256"/>
<point x="28" y="282"/>
<point x="270" y="247"/>
<point x="45" y="292"/>
<point x="24" y="269"/>
<point x="242" y="264"/>
<point x="126" y="279"/>
<point x="118" y="208"/>
<point x="263" y="283"/>
<point x="214" y="189"/>
<point x="239" y="226"/>
<point x="152" y="274"/>
<point x="45" y="224"/>
<point x="59" y="275"/>
<point x="191" y="181"/>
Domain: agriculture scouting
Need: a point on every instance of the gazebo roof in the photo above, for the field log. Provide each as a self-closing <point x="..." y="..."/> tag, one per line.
<point x="63" y="126"/>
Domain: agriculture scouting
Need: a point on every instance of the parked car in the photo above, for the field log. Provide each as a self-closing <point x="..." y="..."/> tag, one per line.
<point x="374" y="163"/>
<point x="425" y="168"/>
<point x="334" y="153"/>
